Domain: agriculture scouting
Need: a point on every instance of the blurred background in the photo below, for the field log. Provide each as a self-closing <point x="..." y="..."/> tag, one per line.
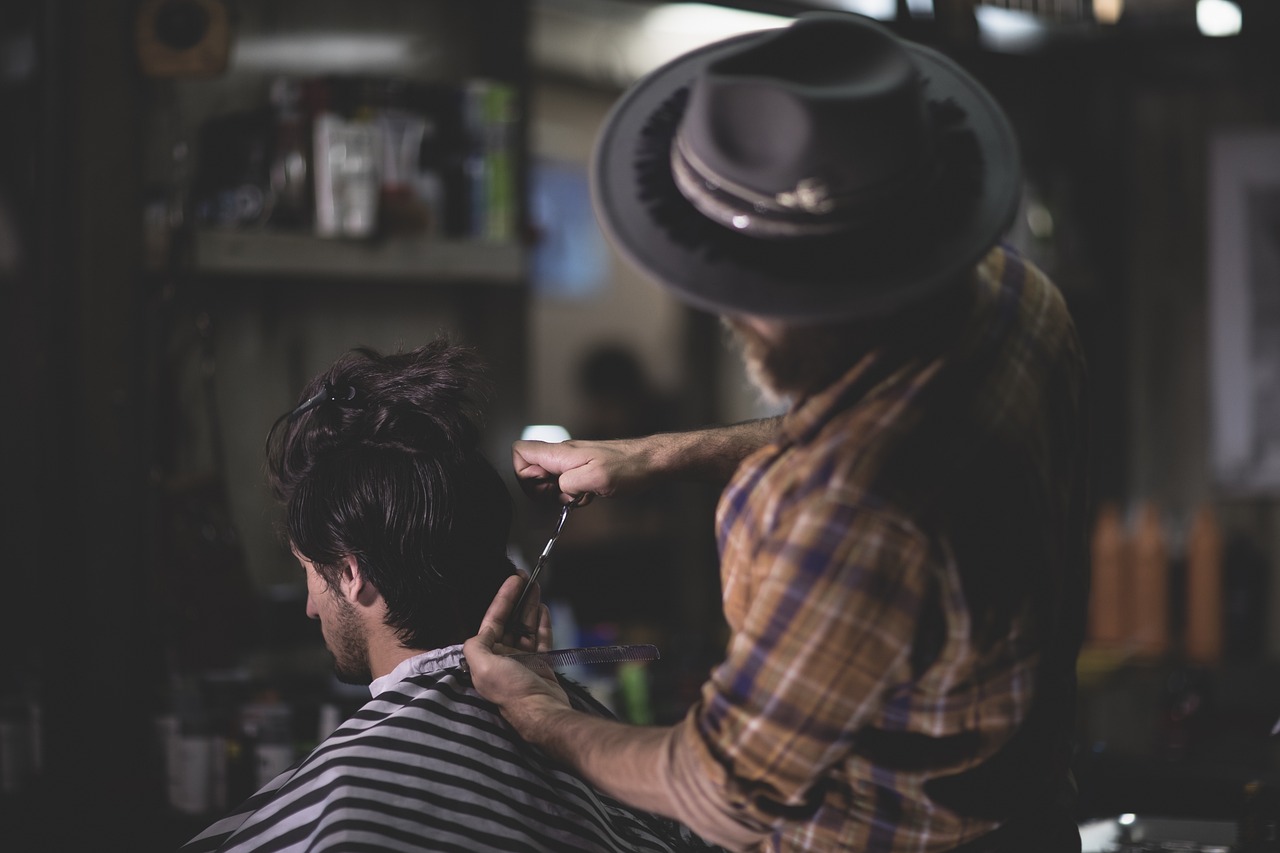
<point x="204" y="202"/>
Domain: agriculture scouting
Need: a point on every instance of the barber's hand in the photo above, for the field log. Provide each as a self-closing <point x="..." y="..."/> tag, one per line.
<point x="522" y="691"/>
<point x="586" y="468"/>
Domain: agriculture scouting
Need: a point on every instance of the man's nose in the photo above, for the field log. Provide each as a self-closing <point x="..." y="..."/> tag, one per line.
<point x="312" y="611"/>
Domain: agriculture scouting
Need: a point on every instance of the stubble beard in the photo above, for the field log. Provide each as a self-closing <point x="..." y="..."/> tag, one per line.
<point x="754" y="353"/>
<point x="349" y="648"/>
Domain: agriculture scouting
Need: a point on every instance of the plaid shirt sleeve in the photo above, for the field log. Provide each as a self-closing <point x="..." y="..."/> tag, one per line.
<point x="832" y="592"/>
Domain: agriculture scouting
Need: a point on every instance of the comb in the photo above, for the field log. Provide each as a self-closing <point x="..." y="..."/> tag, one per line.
<point x="591" y="654"/>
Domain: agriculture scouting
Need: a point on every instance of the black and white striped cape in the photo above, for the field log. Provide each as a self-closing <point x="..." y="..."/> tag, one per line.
<point x="429" y="765"/>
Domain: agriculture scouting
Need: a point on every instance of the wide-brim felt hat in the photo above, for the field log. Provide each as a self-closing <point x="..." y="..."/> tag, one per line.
<point x="824" y="171"/>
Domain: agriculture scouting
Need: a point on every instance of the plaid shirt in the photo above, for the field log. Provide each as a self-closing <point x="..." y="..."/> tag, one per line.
<point x="871" y="692"/>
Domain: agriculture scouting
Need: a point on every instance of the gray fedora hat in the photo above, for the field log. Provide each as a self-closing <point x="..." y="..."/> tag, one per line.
<point x="826" y="170"/>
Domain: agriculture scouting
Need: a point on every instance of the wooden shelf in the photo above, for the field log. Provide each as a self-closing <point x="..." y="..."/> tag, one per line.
<point x="227" y="252"/>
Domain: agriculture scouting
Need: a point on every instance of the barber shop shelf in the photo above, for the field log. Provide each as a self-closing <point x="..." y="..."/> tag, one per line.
<point x="430" y="260"/>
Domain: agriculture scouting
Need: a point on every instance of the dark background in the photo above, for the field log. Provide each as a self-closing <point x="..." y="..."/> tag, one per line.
<point x="1114" y="123"/>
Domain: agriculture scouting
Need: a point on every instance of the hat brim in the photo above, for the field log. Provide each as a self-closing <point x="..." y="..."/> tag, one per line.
<point x="879" y="277"/>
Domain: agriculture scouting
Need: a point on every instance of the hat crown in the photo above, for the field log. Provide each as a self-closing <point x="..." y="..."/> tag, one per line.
<point x="823" y="101"/>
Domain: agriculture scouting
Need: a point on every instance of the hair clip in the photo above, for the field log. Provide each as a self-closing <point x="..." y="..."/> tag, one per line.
<point x="343" y="395"/>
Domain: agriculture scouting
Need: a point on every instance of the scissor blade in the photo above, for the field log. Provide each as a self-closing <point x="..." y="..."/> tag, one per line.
<point x="515" y="623"/>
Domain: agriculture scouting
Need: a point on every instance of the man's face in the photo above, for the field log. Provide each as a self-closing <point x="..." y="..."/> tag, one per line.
<point x="343" y="633"/>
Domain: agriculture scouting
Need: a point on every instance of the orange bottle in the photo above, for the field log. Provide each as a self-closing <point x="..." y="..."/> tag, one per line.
<point x="1204" y="634"/>
<point x="1150" y="561"/>
<point x="1109" y="593"/>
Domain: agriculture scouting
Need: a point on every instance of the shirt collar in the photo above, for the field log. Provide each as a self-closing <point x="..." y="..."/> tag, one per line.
<point x="807" y="416"/>
<point x="427" y="662"/>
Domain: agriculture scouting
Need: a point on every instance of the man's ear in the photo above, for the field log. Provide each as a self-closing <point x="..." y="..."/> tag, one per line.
<point x="354" y="585"/>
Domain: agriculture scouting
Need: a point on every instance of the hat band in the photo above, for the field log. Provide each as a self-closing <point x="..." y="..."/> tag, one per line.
<point x="807" y="210"/>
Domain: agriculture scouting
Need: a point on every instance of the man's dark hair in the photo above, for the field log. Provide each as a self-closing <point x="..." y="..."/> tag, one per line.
<point x="381" y="461"/>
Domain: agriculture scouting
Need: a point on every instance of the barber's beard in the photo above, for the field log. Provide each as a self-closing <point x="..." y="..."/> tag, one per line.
<point x="754" y="352"/>
<point x="803" y="360"/>
<point x="348" y="645"/>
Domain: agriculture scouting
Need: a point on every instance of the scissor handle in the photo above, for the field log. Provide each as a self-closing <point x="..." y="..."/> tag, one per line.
<point x="564" y="515"/>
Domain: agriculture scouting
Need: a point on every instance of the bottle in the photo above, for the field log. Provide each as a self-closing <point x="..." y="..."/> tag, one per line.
<point x="1204" y="590"/>
<point x="191" y="759"/>
<point x="268" y="726"/>
<point x="1150" y="557"/>
<point x="1110" y="594"/>
<point x="290" y="171"/>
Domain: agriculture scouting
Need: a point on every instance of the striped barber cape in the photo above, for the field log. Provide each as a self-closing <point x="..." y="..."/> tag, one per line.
<point x="429" y="765"/>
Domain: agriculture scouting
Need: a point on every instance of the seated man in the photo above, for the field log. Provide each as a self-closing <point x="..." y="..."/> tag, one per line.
<point x="401" y="527"/>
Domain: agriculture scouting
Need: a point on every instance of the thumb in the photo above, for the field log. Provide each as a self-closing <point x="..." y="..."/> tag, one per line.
<point x="494" y="622"/>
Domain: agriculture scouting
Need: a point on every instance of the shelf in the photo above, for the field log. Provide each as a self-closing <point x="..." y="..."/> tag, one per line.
<point x="429" y="260"/>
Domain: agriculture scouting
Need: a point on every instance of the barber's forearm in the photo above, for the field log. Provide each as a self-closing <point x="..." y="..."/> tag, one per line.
<point x="642" y="766"/>
<point x="621" y="760"/>
<point x="710" y="454"/>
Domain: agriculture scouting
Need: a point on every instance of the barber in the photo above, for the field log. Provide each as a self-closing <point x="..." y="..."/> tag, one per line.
<point x="903" y="554"/>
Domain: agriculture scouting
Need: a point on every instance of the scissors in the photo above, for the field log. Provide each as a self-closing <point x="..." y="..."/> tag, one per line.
<point x="516" y="624"/>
